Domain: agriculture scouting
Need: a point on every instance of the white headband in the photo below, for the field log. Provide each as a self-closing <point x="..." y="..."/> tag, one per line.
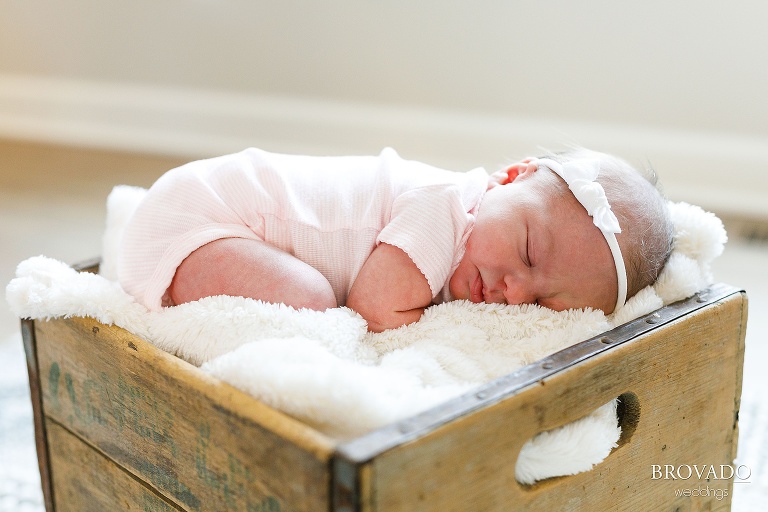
<point x="581" y="176"/>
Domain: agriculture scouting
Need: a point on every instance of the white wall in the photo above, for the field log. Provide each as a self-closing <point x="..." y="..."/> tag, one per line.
<point x="454" y="82"/>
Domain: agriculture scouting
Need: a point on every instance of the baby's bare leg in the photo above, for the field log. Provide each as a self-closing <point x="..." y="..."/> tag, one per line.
<point x="250" y="268"/>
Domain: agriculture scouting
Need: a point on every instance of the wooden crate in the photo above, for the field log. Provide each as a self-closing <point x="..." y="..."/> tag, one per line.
<point x="122" y="425"/>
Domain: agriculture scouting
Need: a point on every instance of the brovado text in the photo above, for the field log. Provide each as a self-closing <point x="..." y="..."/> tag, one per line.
<point x="706" y="472"/>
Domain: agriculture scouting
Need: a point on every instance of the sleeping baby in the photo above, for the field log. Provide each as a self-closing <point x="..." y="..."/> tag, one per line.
<point x="388" y="237"/>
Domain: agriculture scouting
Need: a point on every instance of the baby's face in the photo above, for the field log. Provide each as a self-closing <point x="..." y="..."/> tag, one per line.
<point x="531" y="245"/>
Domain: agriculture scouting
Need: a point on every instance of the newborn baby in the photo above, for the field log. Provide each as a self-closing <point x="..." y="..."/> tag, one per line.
<point x="388" y="237"/>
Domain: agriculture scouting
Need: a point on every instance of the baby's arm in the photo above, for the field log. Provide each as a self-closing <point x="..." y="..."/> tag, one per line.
<point x="390" y="290"/>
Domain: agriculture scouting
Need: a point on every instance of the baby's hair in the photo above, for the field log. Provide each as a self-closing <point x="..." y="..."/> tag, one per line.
<point x="647" y="233"/>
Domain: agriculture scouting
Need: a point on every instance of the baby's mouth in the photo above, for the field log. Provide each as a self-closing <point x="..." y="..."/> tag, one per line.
<point x="476" y="290"/>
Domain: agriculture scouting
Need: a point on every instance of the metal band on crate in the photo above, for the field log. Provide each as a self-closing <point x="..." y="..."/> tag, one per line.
<point x="581" y="177"/>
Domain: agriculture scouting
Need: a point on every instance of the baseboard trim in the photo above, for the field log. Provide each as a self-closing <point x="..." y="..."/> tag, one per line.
<point x="722" y="172"/>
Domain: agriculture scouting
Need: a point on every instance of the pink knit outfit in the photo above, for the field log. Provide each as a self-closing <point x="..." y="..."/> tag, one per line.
<point x="329" y="212"/>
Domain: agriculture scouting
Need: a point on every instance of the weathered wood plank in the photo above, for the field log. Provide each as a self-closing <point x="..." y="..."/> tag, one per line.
<point x="41" y="437"/>
<point x="687" y="379"/>
<point x="201" y="443"/>
<point x="86" y="481"/>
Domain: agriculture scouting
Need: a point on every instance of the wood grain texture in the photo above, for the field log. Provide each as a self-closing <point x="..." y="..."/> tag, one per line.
<point x="197" y="444"/>
<point x="86" y="481"/>
<point x="41" y="436"/>
<point x="202" y="444"/>
<point x="687" y="379"/>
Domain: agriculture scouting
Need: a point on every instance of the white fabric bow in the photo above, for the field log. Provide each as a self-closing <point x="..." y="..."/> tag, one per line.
<point x="581" y="178"/>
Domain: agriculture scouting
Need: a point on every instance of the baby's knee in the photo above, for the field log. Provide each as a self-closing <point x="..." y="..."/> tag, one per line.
<point x="317" y="294"/>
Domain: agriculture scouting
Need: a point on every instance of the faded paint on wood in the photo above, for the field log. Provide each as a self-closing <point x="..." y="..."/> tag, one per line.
<point x="203" y="445"/>
<point x="86" y="481"/>
<point x="194" y="439"/>
<point x="687" y="380"/>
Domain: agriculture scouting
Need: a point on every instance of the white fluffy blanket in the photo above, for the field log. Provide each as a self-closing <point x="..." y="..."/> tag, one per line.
<point x="328" y="371"/>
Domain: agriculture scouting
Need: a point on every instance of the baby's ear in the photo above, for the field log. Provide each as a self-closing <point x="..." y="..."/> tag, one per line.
<point x="498" y="178"/>
<point x="509" y="174"/>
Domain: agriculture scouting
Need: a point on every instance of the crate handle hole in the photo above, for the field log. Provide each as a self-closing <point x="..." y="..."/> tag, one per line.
<point x="627" y="418"/>
<point x="628" y="415"/>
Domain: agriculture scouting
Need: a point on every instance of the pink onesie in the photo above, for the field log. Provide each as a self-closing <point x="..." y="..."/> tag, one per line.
<point x="329" y="212"/>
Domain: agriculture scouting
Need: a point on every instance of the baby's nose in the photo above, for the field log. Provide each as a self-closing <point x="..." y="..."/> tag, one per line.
<point x="517" y="292"/>
<point x="493" y="292"/>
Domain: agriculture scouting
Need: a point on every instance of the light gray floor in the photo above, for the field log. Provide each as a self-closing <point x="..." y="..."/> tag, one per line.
<point x="66" y="222"/>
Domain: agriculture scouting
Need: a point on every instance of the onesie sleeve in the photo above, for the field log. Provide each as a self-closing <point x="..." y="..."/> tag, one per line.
<point x="431" y="225"/>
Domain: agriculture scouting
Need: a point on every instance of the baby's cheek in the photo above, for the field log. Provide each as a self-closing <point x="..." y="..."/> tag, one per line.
<point x="455" y="285"/>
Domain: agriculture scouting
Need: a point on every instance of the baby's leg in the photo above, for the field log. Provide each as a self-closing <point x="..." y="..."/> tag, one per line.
<point x="250" y="268"/>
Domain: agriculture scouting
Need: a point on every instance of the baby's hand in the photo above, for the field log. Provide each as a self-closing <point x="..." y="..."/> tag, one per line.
<point x="390" y="290"/>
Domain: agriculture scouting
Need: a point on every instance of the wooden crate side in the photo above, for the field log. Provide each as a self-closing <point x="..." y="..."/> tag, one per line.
<point x="740" y="372"/>
<point x="201" y="443"/>
<point x="686" y="377"/>
<point x="41" y="437"/>
<point x="86" y="481"/>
